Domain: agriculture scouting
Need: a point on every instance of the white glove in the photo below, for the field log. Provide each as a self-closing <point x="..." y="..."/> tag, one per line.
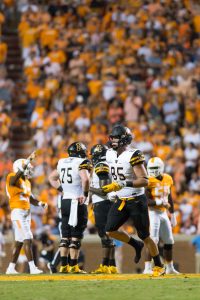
<point x="111" y="196"/>
<point x="173" y="220"/>
<point x="159" y="202"/>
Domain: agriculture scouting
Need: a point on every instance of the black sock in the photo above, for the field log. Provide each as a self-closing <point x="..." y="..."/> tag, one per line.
<point x="157" y="261"/>
<point x="105" y="261"/>
<point x="112" y="262"/>
<point x="64" y="260"/>
<point x="134" y="243"/>
<point x="73" y="262"/>
<point x="56" y="260"/>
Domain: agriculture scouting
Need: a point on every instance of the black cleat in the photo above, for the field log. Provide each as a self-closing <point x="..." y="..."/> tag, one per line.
<point x="138" y="251"/>
<point x="51" y="268"/>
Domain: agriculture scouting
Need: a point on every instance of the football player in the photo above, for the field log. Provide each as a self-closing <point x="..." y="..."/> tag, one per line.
<point x="101" y="206"/>
<point x="72" y="179"/>
<point x="159" y="201"/>
<point x="18" y="188"/>
<point x="129" y="181"/>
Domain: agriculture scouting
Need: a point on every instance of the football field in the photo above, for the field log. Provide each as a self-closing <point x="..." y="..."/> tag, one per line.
<point x="99" y="287"/>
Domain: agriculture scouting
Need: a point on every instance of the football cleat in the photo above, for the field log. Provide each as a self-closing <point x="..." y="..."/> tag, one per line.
<point x="171" y="271"/>
<point x="64" y="269"/>
<point x="158" y="271"/>
<point x="36" y="271"/>
<point x="113" y="270"/>
<point x="76" y="270"/>
<point x="148" y="271"/>
<point x="102" y="270"/>
<point x="11" y="271"/>
<point x="51" y="268"/>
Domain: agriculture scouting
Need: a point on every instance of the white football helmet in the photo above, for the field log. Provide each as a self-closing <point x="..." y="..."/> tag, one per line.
<point x="155" y="167"/>
<point x="19" y="165"/>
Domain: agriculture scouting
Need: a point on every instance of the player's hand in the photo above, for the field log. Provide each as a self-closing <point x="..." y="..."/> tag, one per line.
<point x="173" y="220"/>
<point x="82" y="199"/>
<point x="159" y="202"/>
<point x="112" y="196"/>
<point x="113" y="187"/>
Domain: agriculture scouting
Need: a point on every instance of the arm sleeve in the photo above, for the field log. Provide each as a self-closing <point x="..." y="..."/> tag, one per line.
<point x="85" y="165"/>
<point x="137" y="158"/>
<point x="102" y="171"/>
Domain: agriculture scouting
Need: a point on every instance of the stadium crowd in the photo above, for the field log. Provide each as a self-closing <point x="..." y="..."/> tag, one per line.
<point x="88" y="65"/>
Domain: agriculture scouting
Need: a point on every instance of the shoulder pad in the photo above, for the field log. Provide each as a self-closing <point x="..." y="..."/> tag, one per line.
<point x="101" y="168"/>
<point x="137" y="158"/>
<point x="85" y="165"/>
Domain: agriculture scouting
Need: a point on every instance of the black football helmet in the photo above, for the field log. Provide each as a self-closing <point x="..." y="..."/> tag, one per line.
<point x="77" y="149"/>
<point x="120" y="136"/>
<point x="98" y="153"/>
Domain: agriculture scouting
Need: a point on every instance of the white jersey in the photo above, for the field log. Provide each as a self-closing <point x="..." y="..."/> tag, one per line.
<point x="68" y="170"/>
<point x="121" y="168"/>
<point x="98" y="168"/>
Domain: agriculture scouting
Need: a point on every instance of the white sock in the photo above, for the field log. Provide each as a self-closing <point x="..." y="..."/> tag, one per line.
<point x="147" y="265"/>
<point x="12" y="265"/>
<point x="31" y="264"/>
<point x="169" y="265"/>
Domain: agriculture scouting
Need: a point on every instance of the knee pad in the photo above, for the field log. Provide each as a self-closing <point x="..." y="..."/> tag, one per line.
<point x="75" y="245"/>
<point x="107" y="243"/>
<point x="64" y="243"/>
<point x="168" y="246"/>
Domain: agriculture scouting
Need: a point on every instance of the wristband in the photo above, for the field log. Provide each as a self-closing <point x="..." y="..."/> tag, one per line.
<point x="85" y="194"/>
<point x="40" y="203"/>
<point x="60" y="189"/>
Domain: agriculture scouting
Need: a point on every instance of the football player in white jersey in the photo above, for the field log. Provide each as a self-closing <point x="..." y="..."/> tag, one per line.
<point x="72" y="179"/>
<point x="159" y="200"/>
<point x="101" y="205"/>
<point x="129" y="181"/>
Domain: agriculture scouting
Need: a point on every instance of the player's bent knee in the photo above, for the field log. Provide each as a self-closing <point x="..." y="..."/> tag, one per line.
<point x="64" y="243"/>
<point x="75" y="245"/>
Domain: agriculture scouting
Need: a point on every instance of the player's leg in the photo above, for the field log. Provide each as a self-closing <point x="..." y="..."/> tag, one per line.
<point x="101" y="210"/>
<point x="65" y="235"/>
<point x="17" y="248"/>
<point x="140" y="216"/>
<point x="56" y="259"/>
<point x="116" y="218"/>
<point x="28" y="237"/>
<point x="154" y="220"/>
<point x="77" y="235"/>
<point x="167" y="237"/>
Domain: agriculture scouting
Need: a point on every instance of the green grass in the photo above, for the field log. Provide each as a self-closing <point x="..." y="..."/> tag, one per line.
<point x="162" y="289"/>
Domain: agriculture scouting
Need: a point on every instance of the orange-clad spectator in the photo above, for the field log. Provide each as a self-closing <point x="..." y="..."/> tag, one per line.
<point x="3" y="52"/>
<point x="95" y="85"/>
<point x="29" y="36"/>
<point x="48" y="37"/>
<point x="9" y="3"/>
<point x="196" y="21"/>
<point x="2" y="18"/>
<point x="57" y="56"/>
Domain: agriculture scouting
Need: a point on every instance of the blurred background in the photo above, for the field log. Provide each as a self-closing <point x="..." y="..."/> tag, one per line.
<point x="70" y="70"/>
